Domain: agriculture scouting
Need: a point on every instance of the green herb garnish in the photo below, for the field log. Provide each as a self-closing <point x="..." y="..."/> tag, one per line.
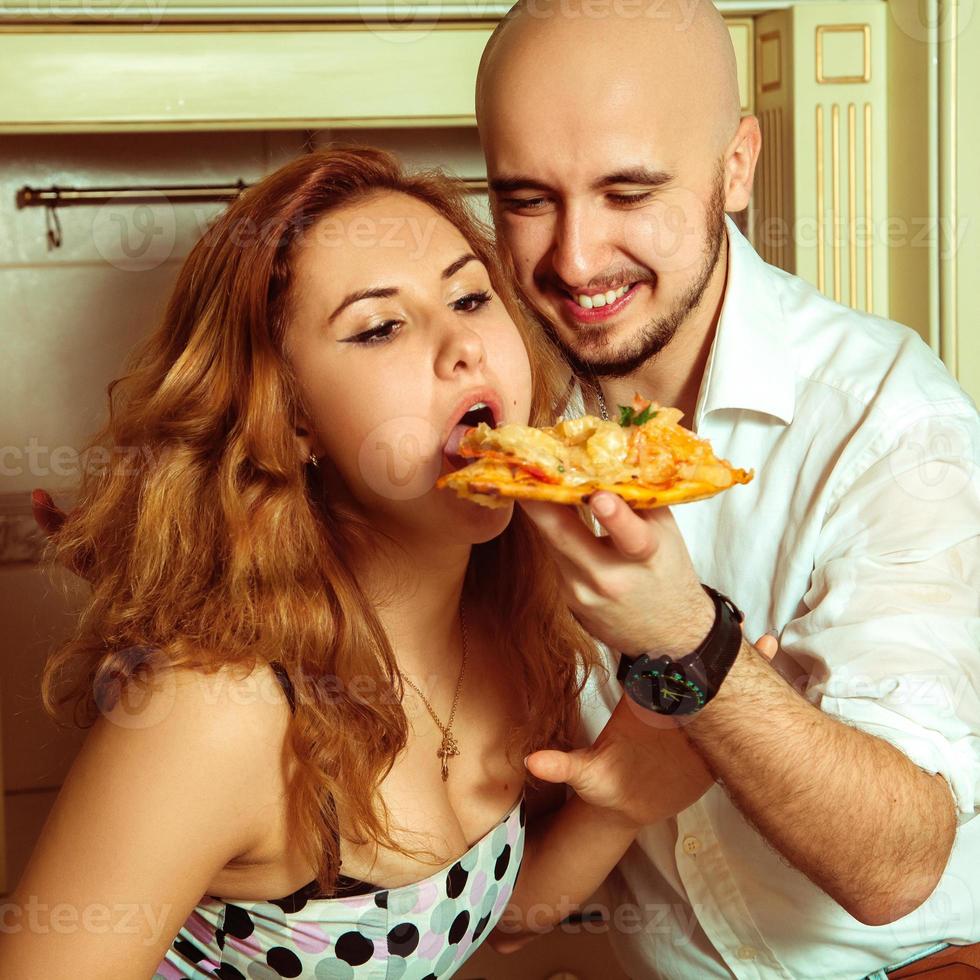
<point x="629" y="416"/>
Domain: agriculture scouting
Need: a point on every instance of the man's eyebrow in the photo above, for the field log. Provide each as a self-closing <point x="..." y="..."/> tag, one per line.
<point x="504" y="185"/>
<point x="630" y="175"/>
<point x="385" y="292"/>
<point x="634" y="175"/>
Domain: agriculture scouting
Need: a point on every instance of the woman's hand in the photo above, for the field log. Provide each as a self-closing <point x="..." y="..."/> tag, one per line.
<point x="47" y="514"/>
<point x="641" y="769"/>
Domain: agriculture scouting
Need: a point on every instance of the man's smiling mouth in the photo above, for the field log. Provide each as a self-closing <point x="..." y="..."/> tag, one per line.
<point x="596" y="307"/>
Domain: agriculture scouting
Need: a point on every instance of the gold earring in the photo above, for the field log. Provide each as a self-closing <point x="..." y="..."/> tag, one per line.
<point x="314" y="460"/>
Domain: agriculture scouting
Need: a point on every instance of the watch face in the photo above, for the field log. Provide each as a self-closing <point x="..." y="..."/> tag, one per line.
<point x="662" y="686"/>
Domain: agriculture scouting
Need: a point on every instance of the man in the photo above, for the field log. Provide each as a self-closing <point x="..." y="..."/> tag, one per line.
<point x="839" y="839"/>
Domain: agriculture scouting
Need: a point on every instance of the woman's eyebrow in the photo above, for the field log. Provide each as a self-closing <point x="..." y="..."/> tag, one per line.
<point x="386" y="292"/>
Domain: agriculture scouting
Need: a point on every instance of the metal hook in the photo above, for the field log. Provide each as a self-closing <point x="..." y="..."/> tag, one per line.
<point x="53" y="223"/>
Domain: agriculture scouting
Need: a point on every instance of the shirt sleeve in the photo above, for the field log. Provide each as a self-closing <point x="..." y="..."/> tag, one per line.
<point x="890" y="625"/>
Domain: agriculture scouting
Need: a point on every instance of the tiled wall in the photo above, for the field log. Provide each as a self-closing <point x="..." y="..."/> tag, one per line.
<point x="68" y="316"/>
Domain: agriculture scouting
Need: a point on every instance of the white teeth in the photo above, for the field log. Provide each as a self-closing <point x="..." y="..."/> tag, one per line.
<point x="601" y="299"/>
<point x="473" y="408"/>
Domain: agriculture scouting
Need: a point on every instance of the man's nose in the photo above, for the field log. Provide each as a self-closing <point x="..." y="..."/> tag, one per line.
<point x="582" y="247"/>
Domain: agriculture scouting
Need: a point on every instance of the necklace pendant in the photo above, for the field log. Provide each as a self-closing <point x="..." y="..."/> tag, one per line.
<point x="447" y="749"/>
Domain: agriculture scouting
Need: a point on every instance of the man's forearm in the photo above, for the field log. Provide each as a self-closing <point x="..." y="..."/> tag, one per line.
<point x="850" y="811"/>
<point x="566" y="858"/>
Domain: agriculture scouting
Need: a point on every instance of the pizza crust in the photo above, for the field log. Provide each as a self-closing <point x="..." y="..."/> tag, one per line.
<point x="491" y="485"/>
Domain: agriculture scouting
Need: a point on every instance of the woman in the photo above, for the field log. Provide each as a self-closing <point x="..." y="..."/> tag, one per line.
<point x="312" y="676"/>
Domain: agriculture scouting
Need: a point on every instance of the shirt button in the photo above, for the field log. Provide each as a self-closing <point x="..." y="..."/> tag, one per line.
<point x="746" y="952"/>
<point x="691" y="845"/>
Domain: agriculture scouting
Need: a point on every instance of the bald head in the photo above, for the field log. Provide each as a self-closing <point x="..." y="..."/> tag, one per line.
<point x="671" y="59"/>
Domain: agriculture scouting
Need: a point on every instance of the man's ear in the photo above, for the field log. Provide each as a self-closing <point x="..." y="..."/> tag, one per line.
<point x="741" y="157"/>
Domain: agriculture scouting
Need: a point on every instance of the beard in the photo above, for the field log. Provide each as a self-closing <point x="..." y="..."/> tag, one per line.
<point x="659" y="331"/>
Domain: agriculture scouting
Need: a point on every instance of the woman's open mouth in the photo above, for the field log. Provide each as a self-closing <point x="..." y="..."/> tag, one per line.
<point x="596" y="307"/>
<point x="479" y="411"/>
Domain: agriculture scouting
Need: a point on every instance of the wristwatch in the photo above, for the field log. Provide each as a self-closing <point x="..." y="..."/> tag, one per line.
<point x="681" y="687"/>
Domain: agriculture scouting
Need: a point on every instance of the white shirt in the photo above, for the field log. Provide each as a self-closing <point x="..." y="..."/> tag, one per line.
<point x="858" y="541"/>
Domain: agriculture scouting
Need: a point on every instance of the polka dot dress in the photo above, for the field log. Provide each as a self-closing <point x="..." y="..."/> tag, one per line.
<point x="422" y="931"/>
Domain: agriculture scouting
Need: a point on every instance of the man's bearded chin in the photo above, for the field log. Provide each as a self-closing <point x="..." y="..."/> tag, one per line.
<point x="659" y="331"/>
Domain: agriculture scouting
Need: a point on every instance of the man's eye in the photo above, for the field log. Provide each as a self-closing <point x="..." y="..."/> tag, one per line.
<point x="629" y="198"/>
<point x="471" y="302"/>
<point x="524" y="203"/>
<point x="376" y="335"/>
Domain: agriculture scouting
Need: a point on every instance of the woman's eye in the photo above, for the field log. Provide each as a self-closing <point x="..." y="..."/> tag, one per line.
<point x="471" y="302"/>
<point x="376" y="335"/>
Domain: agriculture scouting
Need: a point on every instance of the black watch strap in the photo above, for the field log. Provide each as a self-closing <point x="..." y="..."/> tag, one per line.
<point x="708" y="665"/>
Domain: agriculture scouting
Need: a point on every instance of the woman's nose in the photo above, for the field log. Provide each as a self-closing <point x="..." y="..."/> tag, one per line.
<point x="461" y="349"/>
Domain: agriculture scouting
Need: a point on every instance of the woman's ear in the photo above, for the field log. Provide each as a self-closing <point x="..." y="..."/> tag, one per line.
<point x="305" y="442"/>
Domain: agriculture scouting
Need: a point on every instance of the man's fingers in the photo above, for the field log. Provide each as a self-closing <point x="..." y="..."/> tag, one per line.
<point x="632" y="536"/>
<point x="556" y="767"/>
<point x="47" y="515"/>
<point x="564" y="531"/>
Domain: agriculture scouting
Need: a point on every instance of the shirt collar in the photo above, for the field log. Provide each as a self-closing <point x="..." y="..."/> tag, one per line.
<point x="750" y="365"/>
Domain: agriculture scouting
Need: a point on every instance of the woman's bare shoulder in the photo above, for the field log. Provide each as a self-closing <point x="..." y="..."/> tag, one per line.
<point x="167" y="789"/>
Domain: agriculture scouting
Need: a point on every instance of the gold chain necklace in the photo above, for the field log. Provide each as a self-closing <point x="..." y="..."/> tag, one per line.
<point x="449" y="746"/>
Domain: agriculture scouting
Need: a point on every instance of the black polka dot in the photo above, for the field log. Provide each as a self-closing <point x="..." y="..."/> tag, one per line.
<point x="381" y="898"/>
<point x="237" y="922"/>
<point x="189" y="950"/>
<point x="353" y="948"/>
<point x="456" y="880"/>
<point x="296" y="901"/>
<point x="458" y="929"/>
<point x="219" y="938"/>
<point x="481" y="925"/>
<point x="522" y="813"/>
<point x="284" y="961"/>
<point x="403" y="939"/>
<point x="500" y="868"/>
<point x="227" y="972"/>
<point x="430" y="976"/>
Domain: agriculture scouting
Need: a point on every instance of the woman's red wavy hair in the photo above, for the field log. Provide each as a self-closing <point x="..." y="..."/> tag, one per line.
<point x="214" y="546"/>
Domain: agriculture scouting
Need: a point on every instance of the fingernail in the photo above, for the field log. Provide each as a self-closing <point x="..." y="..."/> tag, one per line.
<point x="602" y="506"/>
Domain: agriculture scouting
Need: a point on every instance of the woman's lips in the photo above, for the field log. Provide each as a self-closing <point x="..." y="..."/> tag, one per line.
<point x="597" y="315"/>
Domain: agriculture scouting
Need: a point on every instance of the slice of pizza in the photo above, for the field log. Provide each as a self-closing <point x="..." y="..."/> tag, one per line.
<point x="645" y="457"/>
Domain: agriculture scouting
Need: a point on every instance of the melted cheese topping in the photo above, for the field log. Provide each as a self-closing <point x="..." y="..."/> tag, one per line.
<point x="657" y="453"/>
